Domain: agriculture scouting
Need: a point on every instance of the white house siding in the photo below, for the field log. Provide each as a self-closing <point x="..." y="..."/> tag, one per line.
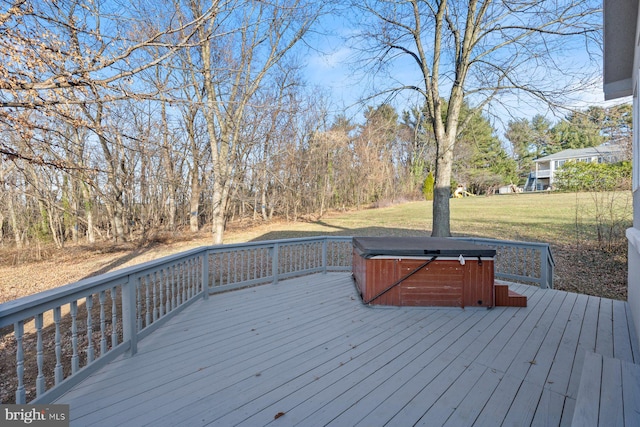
<point x="633" y="234"/>
<point x="622" y="78"/>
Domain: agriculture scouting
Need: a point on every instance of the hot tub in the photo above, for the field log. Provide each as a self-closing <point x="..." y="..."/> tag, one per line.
<point x="423" y="271"/>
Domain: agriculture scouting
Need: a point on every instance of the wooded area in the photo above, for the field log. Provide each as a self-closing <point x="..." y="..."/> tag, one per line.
<point x="119" y="119"/>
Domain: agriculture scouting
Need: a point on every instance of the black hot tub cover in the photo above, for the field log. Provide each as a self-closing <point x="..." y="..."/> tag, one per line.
<point x="369" y="247"/>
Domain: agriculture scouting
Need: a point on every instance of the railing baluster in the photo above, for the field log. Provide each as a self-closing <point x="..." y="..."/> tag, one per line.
<point x="130" y="298"/>
<point x="265" y="264"/>
<point x="242" y="276"/>
<point x="205" y="275"/>
<point x="89" y="307"/>
<point x="58" y="370"/>
<point x="74" y="337"/>
<point x="194" y="278"/>
<point x="167" y="290"/>
<point x="185" y="281"/>
<point x="274" y="261"/>
<point x="155" y="296"/>
<point x="175" y="273"/>
<point x="235" y="267"/>
<point x="160" y="281"/>
<point x="178" y="279"/>
<point x="172" y="282"/>
<point x="147" y="300"/>
<point x="294" y="262"/>
<point x="255" y="263"/>
<point x="195" y="271"/>
<point x="304" y="256"/>
<point x="114" y="319"/>
<point x="323" y="256"/>
<point x="138" y="284"/>
<point x="103" y="324"/>
<point x="19" y="334"/>
<point x="39" y="355"/>
<point x="190" y="268"/>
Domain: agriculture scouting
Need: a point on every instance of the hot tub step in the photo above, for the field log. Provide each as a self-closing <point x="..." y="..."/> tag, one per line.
<point x="505" y="297"/>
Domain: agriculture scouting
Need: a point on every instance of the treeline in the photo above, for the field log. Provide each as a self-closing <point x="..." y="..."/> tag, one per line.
<point x="153" y="170"/>
<point x="120" y="120"/>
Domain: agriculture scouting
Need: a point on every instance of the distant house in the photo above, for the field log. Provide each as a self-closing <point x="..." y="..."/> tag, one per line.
<point x="543" y="176"/>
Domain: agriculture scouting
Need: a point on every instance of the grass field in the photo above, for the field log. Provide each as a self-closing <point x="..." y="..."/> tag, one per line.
<point x="559" y="219"/>
<point x="586" y="233"/>
<point x="585" y="230"/>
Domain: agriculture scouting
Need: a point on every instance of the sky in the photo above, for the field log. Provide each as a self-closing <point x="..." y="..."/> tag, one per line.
<point x="330" y="67"/>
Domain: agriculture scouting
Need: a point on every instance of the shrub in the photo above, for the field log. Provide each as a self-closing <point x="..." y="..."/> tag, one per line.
<point x="427" y="187"/>
<point x="581" y="176"/>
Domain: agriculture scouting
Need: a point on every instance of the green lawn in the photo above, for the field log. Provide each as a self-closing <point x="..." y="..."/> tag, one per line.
<point x="556" y="218"/>
<point x="586" y="231"/>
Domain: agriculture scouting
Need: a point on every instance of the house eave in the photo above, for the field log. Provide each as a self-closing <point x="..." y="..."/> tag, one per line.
<point x="620" y="26"/>
<point x="618" y="89"/>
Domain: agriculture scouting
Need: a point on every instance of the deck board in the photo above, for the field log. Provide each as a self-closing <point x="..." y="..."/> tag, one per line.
<point x="621" y="346"/>
<point x="609" y="393"/>
<point x="309" y="349"/>
<point x="586" y="343"/>
<point x="562" y="366"/>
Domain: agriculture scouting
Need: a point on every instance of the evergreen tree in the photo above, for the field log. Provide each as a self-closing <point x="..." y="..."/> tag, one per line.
<point x="427" y="188"/>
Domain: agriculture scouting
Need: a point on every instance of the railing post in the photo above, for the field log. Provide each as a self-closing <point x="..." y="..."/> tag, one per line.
<point x="18" y="329"/>
<point x="205" y="275"/>
<point x="544" y="269"/>
<point x="129" y="327"/>
<point x="324" y="255"/>
<point x="549" y="267"/>
<point x="274" y="262"/>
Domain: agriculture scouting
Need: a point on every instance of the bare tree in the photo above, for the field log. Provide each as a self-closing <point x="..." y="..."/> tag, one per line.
<point x="54" y="54"/>
<point x="476" y="51"/>
<point x="238" y="49"/>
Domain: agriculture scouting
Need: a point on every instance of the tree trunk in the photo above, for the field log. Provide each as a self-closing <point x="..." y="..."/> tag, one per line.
<point x="194" y="201"/>
<point x="442" y="188"/>
<point x="169" y="169"/>
<point x="14" y="223"/>
<point x="88" y="210"/>
<point x="218" y="213"/>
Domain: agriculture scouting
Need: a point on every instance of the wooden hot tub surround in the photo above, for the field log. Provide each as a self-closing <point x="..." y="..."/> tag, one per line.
<point x="423" y="271"/>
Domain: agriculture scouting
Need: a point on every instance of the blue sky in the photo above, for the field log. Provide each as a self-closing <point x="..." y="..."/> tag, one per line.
<point x="329" y="67"/>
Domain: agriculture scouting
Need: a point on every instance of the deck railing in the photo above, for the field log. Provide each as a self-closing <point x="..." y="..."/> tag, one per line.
<point x="58" y="337"/>
<point x="525" y="262"/>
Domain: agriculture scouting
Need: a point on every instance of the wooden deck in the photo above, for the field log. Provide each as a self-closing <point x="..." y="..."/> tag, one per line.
<point x="307" y="352"/>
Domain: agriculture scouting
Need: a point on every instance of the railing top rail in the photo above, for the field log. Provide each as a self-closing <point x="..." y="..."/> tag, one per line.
<point x="513" y="243"/>
<point x="52" y="297"/>
<point x="36" y="303"/>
